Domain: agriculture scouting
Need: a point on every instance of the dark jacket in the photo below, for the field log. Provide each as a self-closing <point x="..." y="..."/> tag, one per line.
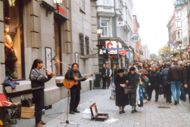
<point x="133" y="80"/>
<point x="121" y="97"/>
<point x="187" y="75"/>
<point x="70" y="76"/>
<point x="175" y="73"/>
<point x="38" y="79"/>
<point x="155" y="78"/>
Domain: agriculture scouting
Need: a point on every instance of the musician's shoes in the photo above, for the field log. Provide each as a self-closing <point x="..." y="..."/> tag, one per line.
<point x="71" y="112"/>
<point x="76" y="111"/>
<point x="43" y="123"/>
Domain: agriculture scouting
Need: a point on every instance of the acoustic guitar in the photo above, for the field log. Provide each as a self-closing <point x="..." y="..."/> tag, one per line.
<point x="70" y="83"/>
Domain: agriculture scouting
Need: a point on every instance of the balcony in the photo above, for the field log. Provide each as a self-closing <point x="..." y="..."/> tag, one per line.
<point x="105" y="11"/>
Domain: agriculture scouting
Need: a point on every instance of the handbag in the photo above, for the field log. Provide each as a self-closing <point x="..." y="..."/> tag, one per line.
<point x="129" y="90"/>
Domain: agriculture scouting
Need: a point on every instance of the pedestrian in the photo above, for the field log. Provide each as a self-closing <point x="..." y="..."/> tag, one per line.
<point x="74" y="74"/>
<point x="187" y="79"/>
<point x="175" y="76"/>
<point x="132" y="80"/>
<point x="38" y="77"/>
<point x="120" y="84"/>
<point x="106" y="76"/>
<point x="155" y="81"/>
<point x="165" y="82"/>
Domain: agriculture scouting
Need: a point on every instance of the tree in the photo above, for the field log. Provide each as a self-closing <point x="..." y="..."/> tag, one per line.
<point x="165" y="52"/>
<point x="153" y="56"/>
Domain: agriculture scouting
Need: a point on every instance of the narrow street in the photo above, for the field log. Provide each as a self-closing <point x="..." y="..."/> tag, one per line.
<point x="152" y="114"/>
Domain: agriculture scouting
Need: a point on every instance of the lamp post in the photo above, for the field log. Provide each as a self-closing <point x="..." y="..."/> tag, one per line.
<point x="97" y="76"/>
<point x="58" y="2"/>
<point x="180" y="45"/>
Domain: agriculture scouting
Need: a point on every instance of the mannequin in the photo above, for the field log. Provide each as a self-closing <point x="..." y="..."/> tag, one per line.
<point x="10" y="56"/>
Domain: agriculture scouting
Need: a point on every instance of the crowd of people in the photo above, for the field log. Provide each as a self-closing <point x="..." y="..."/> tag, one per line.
<point x="136" y="83"/>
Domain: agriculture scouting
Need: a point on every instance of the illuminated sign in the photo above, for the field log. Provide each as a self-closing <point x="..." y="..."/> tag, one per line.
<point x="113" y="47"/>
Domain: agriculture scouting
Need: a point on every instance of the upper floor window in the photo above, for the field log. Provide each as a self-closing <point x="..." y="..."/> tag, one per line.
<point x="105" y="2"/>
<point x="178" y="14"/>
<point x="81" y="40"/>
<point x="87" y="45"/>
<point x="105" y="24"/>
<point x="178" y="24"/>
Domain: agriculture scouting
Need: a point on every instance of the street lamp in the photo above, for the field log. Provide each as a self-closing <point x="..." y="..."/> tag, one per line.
<point x="180" y="45"/>
<point x="99" y="33"/>
<point x="58" y="2"/>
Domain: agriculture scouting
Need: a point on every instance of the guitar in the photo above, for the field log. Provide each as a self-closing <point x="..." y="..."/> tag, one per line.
<point x="70" y="83"/>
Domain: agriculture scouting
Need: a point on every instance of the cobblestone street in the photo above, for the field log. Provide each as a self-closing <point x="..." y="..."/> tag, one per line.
<point x="151" y="115"/>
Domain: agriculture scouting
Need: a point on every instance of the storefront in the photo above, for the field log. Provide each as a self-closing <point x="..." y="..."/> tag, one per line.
<point x="112" y="51"/>
<point x="13" y="39"/>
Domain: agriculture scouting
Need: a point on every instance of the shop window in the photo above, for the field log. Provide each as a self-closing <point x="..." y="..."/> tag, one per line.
<point x="13" y="39"/>
<point x="81" y="40"/>
<point x="58" y="46"/>
<point x="87" y="45"/>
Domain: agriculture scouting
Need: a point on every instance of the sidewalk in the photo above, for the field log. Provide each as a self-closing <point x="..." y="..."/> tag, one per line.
<point x="148" y="116"/>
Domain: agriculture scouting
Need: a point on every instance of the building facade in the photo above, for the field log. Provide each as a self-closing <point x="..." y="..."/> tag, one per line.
<point x="115" y="20"/>
<point x="49" y="31"/>
<point x="178" y="28"/>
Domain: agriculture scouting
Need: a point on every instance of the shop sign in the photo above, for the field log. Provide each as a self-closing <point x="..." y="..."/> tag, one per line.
<point x="113" y="46"/>
<point x="123" y="52"/>
<point x="61" y="10"/>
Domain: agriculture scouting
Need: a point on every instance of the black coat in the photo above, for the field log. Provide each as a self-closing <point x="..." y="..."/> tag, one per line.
<point x="121" y="97"/>
<point x="155" y="78"/>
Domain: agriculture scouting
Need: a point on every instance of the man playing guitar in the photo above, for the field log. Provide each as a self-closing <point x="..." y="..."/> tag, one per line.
<point x="73" y="74"/>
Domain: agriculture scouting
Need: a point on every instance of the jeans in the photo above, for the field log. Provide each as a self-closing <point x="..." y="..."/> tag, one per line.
<point x="176" y="90"/>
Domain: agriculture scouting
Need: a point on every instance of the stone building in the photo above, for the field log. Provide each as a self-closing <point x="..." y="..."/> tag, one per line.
<point x="48" y="30"/>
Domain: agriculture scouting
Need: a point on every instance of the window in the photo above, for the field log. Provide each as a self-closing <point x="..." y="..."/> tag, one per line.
<point x="179" y="35"/>
<point x="105" y="24"/>
<point x="13" y="40"/>
<point x="178" y="24"/>
<point x="58" y="45"/>
<point x="108" y="2"/>
<point x="178" y="14"/>
<point x="81" y="40"/>
<point x="87" y="45"/>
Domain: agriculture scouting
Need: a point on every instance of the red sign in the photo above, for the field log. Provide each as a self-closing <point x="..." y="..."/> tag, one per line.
<point x="61" y="10"/>
<point x="123" y="52"/>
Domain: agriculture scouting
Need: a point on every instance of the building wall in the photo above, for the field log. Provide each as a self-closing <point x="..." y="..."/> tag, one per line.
<point x="94" y="38"/>
<point x="81" y="23"/>
<point x="2" y="56"/>
<point x="39" y="33"/>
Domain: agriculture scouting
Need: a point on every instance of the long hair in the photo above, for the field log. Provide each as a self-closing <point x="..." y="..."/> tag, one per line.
<point x="35" y="64"/>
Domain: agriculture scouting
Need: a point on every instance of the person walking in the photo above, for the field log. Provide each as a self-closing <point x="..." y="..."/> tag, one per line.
<point x="38" y="77"/>
<point x="175" y="76"/>
<point x="132" y="80"/>
<point x="155" y="81"/>
<point x="120" y="84"/>
<point x="74" y="74"/>
<point x="165" y="82"/>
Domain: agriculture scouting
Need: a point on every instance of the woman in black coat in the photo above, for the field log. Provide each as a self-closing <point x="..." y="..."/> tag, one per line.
<point x="121" y="97"/>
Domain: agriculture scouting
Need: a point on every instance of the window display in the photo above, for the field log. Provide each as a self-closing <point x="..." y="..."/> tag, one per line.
<point x="13" y="39"/>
